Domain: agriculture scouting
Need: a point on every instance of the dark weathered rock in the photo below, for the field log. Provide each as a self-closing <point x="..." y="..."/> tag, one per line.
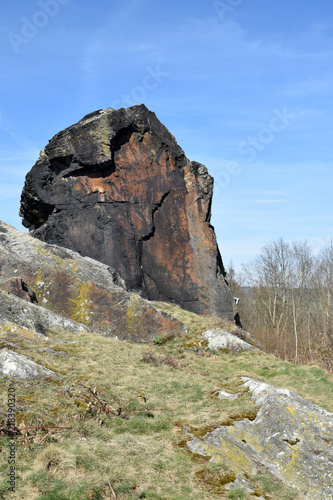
<point x="117" y="187"/>
<point x="73" y="292"/>
<point x="18" y="287"/>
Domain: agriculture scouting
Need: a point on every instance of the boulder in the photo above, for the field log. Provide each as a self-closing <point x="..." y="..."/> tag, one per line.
<point x="290" y="437"/>
<point x="73" y="292"/>
<point x="17" y="314"/>
<point x="15" y="365"/>
<point x="222" y="339"/>
<point x="116" y="187"/>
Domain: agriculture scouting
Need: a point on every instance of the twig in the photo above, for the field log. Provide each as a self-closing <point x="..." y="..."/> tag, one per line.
<point x="41" y="441"/>
<point x="112" y="491"/>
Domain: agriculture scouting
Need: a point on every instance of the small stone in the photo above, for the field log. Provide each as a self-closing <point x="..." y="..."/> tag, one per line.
<point x="227" y="395"/>
<point x="58" y="354"/>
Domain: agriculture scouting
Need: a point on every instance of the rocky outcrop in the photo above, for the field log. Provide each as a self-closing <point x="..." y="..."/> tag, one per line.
<point x="71" y="292"/>
<point x="222" y="340"/>
<point x="13" y="365"/>
<point x="290" y="438"/>
<point x="17" y="314"/>
<point x="117" y="187"/>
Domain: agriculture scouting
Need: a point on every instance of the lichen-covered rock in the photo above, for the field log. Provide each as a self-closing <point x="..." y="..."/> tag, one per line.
<point x="13" y="365"/>
<point x="225" y="394"/>
<point x="221" y="339"/>
<point x="117" y="187"/>
<point x="17" y="313"/>
<point x="83" y="293"/>
<point x="290" y="437"/>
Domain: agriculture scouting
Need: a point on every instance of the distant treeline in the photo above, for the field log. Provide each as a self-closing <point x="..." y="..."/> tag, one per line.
<point x="286" y="301"/>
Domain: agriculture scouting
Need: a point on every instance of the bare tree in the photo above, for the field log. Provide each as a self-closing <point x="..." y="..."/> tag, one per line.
<point x="287" y="300"/>
<point x="324" y="289"/>
<point x="269" y="276"/>
<point x="300" y="284"/>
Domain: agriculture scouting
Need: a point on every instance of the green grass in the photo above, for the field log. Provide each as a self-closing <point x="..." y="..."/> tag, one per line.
<point x="140" y="453"/>
<point x="237" y="493"/>
<point x="272" y="486"/>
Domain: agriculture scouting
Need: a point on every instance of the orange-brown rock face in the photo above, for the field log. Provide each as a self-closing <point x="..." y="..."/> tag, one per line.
<point x="117" y="187"/>
<point x="67" y="291"/>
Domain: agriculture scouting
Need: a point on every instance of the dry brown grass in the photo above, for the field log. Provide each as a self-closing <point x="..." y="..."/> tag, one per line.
<point x="196" y="323"/>
<point x="142" y="453"/>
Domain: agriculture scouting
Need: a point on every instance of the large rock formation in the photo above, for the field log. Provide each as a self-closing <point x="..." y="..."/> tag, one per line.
<point x="117" y="187"/>
<point x="70" y="292"/>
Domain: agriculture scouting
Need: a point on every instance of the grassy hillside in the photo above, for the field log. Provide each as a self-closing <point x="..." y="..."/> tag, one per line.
<point x="121" y="449"/>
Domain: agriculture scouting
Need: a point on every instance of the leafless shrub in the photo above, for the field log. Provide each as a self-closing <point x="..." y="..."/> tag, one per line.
<point x="286" y="301"/>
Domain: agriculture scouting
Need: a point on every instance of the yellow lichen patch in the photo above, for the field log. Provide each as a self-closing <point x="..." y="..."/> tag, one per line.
<point x="200" y="344"/>
<point x="133" y="313"/>
<point x="42" y="250"/>
<point x="12" y="328"/>
<point x="101" y="137"/>
<point x="80" y="310"/>
<point x="38" y="285"/>
<point x="230" y="455"/>
<point x="292" y="411"/>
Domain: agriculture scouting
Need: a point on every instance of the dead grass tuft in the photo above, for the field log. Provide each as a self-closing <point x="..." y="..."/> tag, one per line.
<point x="55" y="459"/>
<point x="162" y="359"/>
<point x="214" y="480"/>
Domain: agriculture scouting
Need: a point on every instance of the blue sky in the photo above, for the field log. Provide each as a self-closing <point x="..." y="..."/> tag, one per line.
<point x="246" y="87"/>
